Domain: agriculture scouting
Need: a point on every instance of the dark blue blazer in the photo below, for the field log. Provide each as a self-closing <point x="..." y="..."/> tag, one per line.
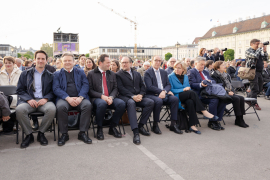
<point x="151" y="84"/>
<point x="60" y="84"/>
<point x="195" y="79"/>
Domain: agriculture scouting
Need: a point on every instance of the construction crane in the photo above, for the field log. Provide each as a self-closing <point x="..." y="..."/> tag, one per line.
<point x="131" y="21"/>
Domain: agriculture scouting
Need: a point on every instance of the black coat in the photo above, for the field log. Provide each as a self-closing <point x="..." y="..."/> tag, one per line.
<point x="231" y="71"/>
<point x="47" y="66"/>
<point x="127" y="86"/>
<point x="217" y="57"/>
<point x="95" y="84"/>
<point x="26" y="85"/>
<point x="266" y="75"/>
<point x="219" y="80"/>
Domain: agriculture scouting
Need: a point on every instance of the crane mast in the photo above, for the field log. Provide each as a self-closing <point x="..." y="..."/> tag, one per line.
<point x="133" y="22"/>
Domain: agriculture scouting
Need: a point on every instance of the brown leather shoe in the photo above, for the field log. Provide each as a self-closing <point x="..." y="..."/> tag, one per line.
<point x="257" y="107"/>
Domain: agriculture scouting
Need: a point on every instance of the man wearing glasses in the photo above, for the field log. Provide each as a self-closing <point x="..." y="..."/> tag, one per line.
<point x="158" y="89"/>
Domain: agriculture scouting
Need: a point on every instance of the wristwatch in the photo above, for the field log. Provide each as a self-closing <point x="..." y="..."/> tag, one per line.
<point x="81" y="97"/>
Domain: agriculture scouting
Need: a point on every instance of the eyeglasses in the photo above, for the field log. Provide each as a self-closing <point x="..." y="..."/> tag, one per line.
<point x="124" y="62"/>
<point x="157" y="60"/>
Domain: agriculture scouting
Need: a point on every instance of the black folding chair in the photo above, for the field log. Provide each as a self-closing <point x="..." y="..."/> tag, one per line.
<point x="251" y="103"/>
<point x="109" y="112"/>
<point x="8" y="91"/>
<point x="72" y="128"/>
<point x="40" y="114"/>
<point x="238" y="86"/>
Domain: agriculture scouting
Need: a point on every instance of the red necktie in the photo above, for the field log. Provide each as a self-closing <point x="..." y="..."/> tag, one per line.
<point x="202" y="75"/>
<point x="106" y="93"/>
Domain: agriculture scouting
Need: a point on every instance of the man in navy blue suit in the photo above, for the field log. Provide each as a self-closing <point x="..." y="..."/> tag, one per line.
<point x="196" y="77"/>
<point x="158" y="89"/>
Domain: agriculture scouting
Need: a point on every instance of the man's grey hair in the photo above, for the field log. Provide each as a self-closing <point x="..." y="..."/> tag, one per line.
<point x="130" y="60"/>
<point x="198" y="59"/>
<point x="18" y="60"/>
<point x="146" y="63"/>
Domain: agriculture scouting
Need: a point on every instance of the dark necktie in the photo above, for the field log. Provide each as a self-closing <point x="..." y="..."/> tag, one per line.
<point x="203" y="78"/>
<point x="106" y="93"/>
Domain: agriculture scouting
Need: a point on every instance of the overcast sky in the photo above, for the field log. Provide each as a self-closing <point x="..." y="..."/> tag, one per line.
<point x="30" y="23"/>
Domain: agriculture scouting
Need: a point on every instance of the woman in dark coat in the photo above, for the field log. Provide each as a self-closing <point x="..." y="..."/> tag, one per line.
<point x="238" y="102"/>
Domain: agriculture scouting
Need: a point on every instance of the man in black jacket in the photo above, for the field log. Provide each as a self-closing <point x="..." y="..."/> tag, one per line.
<point x="102" y="92"/>
<point x="132" y="90"/>
<point x="232" y="69"/>
<point x="35" y="93"/>
<point x="266" y="80"/>
<point x="218" y="55"/>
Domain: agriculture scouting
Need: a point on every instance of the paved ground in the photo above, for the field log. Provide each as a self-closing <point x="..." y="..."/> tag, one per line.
<point x="235" y="153"/>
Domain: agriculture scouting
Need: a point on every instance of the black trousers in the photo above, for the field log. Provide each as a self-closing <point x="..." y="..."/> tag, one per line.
<point x="8" y="125"/>
<point x="147" y="105"/>
<point x="256" y="85"/>
<point x="193" y="105"/>
<point x="238" y="105"/>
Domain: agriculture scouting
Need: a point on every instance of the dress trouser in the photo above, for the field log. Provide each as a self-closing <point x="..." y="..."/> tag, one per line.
<point x="256" y="85"/>
<point x="100" y="107"/>
<point x="85" y="108"/>
<point x="147" y="105"/>
<point x="23" y="109"/>
<point x="216" y="107"/>
<point x="267" y="93"/>
<point x="172" y="101"/>
<point x="238" y="105"/>
<point x="193" y="105"/>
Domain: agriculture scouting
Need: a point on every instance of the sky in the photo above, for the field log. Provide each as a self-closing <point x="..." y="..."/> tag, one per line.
<point x="29" y="23"/>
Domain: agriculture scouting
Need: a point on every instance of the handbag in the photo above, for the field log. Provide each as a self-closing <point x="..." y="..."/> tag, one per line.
<point x="247" y="73"/>
<point x="73" y="119"/>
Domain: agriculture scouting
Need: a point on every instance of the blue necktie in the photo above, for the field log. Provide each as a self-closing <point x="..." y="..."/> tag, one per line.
<point x="158" y="80"/>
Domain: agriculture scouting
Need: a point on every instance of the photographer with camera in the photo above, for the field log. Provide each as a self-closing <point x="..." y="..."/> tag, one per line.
<point x="255" y="55"/>
<point x="208" y="54"/>
<point x="218" y="54"/>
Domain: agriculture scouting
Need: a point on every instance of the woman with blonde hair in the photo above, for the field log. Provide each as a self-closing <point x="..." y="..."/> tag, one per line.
<point x="180" y="88"/>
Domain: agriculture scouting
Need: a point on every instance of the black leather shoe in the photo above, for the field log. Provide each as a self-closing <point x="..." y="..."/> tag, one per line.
<point x="42" y="139"/>
<point x="240" y="123"/>
<point x="144" y="132"/>
<point x="113" y="131"/>
<point x="156" y="129"/>
<point x="136" y="139"/>
<point x="213" y="125"/>
<point x="62" y="140"/>
<point x="83" y="137"/>
<point x="175" y="129"/>
<point x="27" y="140"/>
<point x="35" y="125"/>
<point x="100" y="135"/>
<point x="219" y="125"/>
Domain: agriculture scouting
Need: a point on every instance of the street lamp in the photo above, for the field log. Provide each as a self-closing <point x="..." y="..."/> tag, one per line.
<point x="177" y="45"/>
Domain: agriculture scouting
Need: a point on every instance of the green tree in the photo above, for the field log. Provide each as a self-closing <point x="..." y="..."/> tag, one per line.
<point x="229" y="55"/>
<point x="168" y="56"/>
<point x="30" y="54"/>
<point x="27" y="56"/>
<point x="48" y="48"/>
<point x="87" y="55"/>
<point x="19" y="55"/>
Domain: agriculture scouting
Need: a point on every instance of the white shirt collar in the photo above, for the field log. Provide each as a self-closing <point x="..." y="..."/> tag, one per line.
<point x="68" y="71"/>
<point x="100" y="70"/>
<point x="156" y="69"/>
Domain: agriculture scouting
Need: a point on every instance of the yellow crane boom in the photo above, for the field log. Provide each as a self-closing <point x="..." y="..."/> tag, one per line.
<point x="135" y="26"/>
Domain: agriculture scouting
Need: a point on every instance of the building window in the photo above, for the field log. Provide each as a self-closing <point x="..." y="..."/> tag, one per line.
<point x="103" y="50"/>
<point x="239" y="43"/>
<point x="111" y="50"/>
<point x="239" y="51"/>
<point x="3" y="48"/>
<point x="123" y="50"/>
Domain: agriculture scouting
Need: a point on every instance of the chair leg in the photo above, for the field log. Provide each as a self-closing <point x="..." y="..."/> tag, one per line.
<point x="54" y="130"/>
<point x="123" y="126"/>
<point x="17" y="132"/>
<point x="256" y="113"/>
<point x="223" y="121"/>
<point x="92" y="120"/>
<point x="58" y="131"/>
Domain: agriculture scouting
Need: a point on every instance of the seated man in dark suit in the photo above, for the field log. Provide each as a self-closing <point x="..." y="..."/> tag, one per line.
<point x="103" y="91"/>
<point x="216" y="107"/>
<point x="132" y="90"/>
<point x="158" y="89"/>
<point x="71" y="88"/>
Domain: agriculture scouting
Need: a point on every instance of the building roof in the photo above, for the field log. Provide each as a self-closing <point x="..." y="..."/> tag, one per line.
<point x="181" y="46"/>
<point x="125" y="47"/>
<point x="242" y="26"/>
<point x="196" y="40"/>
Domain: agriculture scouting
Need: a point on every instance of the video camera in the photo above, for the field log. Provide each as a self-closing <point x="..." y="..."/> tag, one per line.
<point x="266" y="43"/>
<point x="211" y="50"/>
<point x="225" y="49"/>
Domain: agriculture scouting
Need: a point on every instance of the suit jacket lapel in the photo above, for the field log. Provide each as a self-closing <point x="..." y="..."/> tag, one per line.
<point x="127" y="74"/>
<point x="154" y="77"/>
